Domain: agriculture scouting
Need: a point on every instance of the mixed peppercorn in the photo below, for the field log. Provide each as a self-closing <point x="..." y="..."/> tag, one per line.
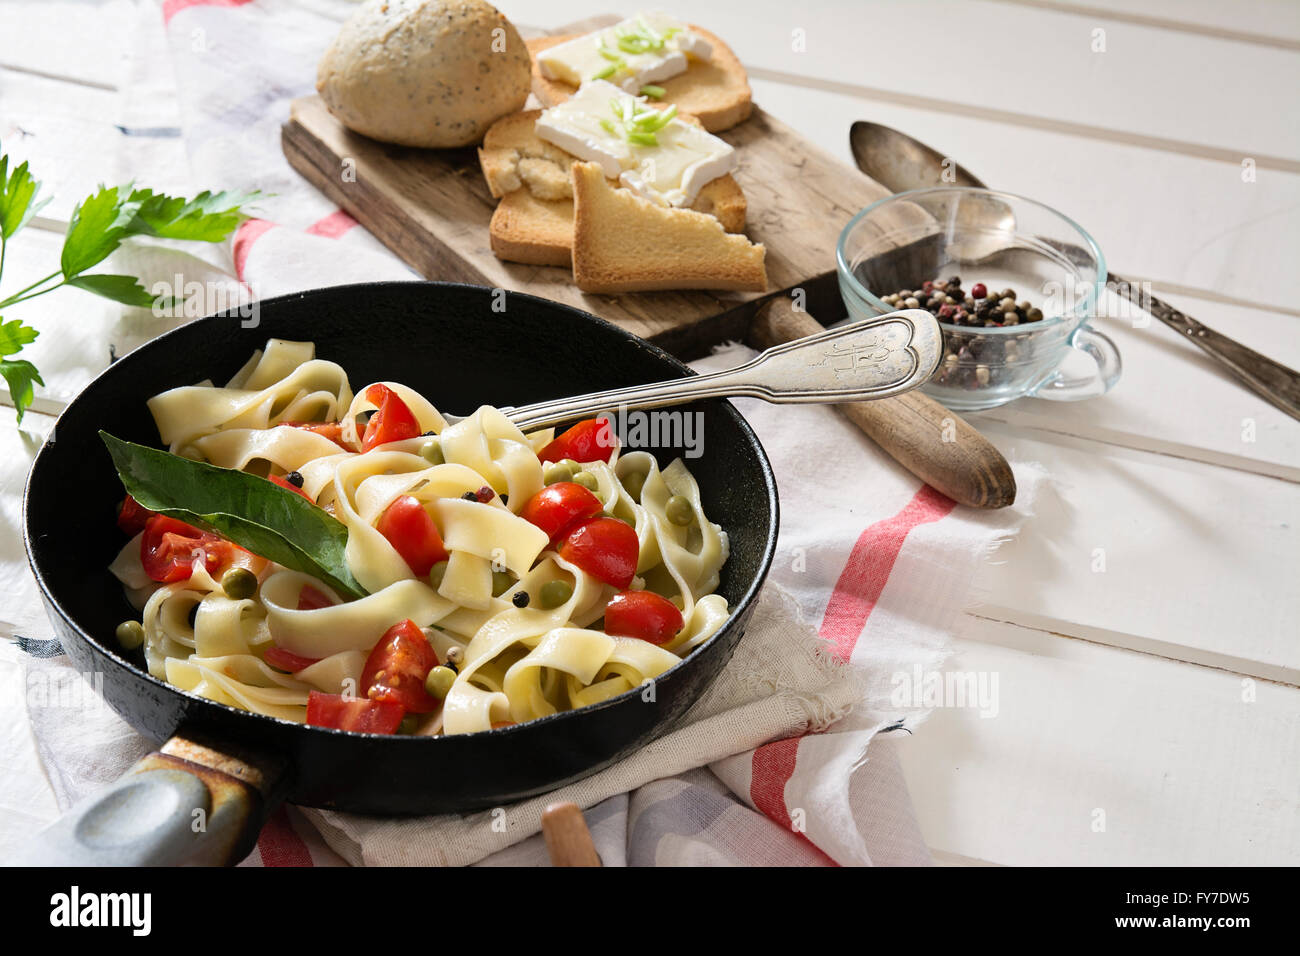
<point x="948" y="302"/>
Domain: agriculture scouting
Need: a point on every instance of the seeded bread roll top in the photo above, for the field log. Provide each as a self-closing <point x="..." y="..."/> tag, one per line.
<point x="432" y="73"/>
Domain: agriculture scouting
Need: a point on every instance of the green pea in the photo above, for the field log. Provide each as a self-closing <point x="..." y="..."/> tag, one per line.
<point x="502" y="581"/>
<point x="410" y="723"/>
<point x="679" y="510"/>
<point x="556" y="472"/>
<point x="438" y="683"/>
<point x="130" y="634"/>
<point x="436" y="574"/>
<point x="633" y="483"/>
<point x="239" y="583"/>
<point x="554" y="594"/>
<point x="587" y="480"/>
<point x="431" y="451"/>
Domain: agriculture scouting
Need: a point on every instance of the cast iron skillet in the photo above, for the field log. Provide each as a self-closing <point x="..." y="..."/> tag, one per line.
<point x="449" y="343"/>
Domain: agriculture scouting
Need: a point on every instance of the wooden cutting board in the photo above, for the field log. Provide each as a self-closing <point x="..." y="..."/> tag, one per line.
<point x="432" y="207"/>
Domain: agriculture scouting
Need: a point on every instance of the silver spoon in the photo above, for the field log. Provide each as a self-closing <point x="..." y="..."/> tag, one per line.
<point x="857" y="362"/>
<point x="899" y="163"/>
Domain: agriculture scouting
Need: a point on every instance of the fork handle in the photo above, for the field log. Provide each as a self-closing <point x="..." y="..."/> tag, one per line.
<point x="936" y="445"/>
<point x="863" y="361"/>
<point x="1270" y="380"/>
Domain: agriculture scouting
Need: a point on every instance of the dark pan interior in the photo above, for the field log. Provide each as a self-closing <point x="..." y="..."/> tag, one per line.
<point x="449" y="343"/>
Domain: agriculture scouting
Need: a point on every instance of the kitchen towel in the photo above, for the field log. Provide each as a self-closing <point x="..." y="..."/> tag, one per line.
<point x="788" y="758"/>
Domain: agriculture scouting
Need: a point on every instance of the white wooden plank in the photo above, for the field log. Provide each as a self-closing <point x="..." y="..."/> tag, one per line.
<point x="1147" y="83"/>
<point x="1270" y="22"/>
<point x="1171" y="557"/>
<point x="1185" y="767"/>
<point x="65" y="131"/>
<point x="1175" y="219"/>
<point x="81" y="42"/>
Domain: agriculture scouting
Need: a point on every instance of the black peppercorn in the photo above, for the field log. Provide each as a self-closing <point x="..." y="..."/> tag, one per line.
<point x="520" y="599"/>
<point x="294" y="478"/>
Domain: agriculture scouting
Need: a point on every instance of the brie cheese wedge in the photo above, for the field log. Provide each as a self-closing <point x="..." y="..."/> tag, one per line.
<point x="647" y="48"/>
<point x="598" y="124"/>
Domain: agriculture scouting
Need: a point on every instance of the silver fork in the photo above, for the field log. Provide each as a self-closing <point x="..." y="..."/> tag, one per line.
<point x="855" y="362"/>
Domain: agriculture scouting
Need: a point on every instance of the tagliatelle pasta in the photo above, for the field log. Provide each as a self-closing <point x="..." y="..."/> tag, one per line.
<point x="513" y="606"/>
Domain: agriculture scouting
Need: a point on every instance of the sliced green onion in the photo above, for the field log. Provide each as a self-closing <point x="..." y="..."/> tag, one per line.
<point x="654" y="92"/>
<point x="609" y="127"/>
<point x="649" y="31"/>
<point x="654" y="120"/>
<point x="643" y="139"/>
<point x="605" y="72"/>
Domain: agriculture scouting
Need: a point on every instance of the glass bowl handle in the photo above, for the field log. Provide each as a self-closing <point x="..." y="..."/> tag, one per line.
<point x="1072" y="388"/>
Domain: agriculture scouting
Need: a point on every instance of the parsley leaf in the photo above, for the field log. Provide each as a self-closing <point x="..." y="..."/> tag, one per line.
<point x="99" y="223"/>
<point x="19" y="375"/>
<point x="14" y="335"/>
<point x="17" y="190"/>
<point x="208" y="217"/>
<point x="124" y="289"/>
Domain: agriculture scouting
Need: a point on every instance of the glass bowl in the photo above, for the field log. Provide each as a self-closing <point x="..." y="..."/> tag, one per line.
<point x="1004" y="242"/>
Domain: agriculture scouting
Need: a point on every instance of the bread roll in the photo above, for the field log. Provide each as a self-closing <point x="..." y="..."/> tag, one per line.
<point x="434" y="73"/>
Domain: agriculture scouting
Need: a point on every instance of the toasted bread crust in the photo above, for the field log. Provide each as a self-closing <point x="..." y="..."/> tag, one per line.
<point x="717" y="91"/>
<point x="623" y="243"/>
<point x="531" y="230"/>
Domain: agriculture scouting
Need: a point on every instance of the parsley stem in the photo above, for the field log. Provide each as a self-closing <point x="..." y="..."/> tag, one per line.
<point x="20" y="295"/>
<point x="2" y="255"/>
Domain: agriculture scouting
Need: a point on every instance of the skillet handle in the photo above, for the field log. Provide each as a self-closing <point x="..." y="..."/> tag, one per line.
<point x="187" y="803"/>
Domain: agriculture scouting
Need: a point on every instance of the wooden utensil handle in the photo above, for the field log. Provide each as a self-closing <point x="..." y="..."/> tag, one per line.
<point x="930" y="441"/>
<point x="567" y="838"/>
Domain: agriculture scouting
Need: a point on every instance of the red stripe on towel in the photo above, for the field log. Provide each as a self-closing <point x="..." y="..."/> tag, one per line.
<point x="333" y="225"/>
<point x="856" y="592"/>
<point x="867" y="570"/>
<point x="771" y="768"/>
<point x="249" y="231"/>
<point x="280" y="844"/>
<point x="173" y="7"/>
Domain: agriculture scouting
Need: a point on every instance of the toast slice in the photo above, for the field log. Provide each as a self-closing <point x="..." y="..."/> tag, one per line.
<point x="623" y="243"/>
<point x="533" y="223"/>
<point x="716" y="91"/>
<point x="533" y="231"/>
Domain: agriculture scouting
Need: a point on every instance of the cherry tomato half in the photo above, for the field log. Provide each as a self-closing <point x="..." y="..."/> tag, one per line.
<point x="353" y="713"/>
<point x="396" y="669"/>
<point x="133" y="516"/>
<point x="409" y="528"/>
<point x="557" y="506"/>
<point x="290" y="486"/>
<point x="605" y="548"/>
<point x="590" y="440"/>
<point x="169" y="548"/>
<point x="644" y="615"/>
<point x="331" y="430"/>
<point x="284" y="660"/>
<point x="393" y="421"/>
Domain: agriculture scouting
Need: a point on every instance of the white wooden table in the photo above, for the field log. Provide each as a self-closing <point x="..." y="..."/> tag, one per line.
<point x="1144" y="626"/>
